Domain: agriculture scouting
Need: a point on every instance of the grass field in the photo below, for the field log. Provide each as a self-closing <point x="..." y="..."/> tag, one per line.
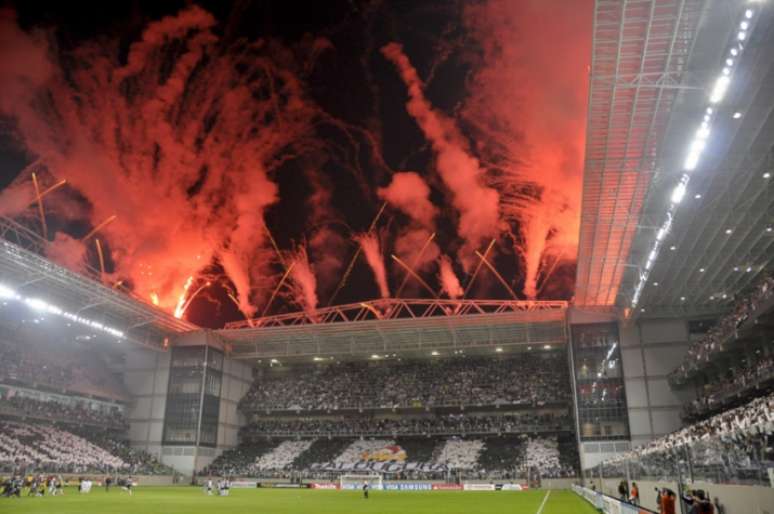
<point x="190" y="500"/>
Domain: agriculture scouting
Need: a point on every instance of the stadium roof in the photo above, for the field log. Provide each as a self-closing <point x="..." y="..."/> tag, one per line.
<point x="40" y="282"/>
<point x="654" y="66"/>
<point x="722" y="235"/>
<point x="406" y="327"/>
<point x="639" y="52"/>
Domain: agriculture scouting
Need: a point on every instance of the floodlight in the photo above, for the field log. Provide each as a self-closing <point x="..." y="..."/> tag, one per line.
<point x="7" y="292"/>
<point x="720" y="88"/>
<point x="678" y="193"/>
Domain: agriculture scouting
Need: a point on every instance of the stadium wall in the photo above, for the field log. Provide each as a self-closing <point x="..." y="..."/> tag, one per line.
<point x="650" y="349"/>
<point x="146" y="376"/>
<point x="237" y="377"/>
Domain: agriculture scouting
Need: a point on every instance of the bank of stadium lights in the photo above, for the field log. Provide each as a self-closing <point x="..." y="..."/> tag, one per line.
<point x="36" y="304"/>
<point x="499" y="350"/>
<point x="697" y="146"/>
<point x="435" y="353"/>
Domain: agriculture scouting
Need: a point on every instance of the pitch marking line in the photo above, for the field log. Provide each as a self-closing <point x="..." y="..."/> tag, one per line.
<point x="545" y="499"/>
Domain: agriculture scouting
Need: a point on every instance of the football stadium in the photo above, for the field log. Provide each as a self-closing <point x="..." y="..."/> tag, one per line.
<point x="368" y="256"/>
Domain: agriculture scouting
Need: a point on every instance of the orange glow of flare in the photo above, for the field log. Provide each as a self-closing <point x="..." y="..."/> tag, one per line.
<point x="190" y="298"/>
<point x="180" y="307"/>
<point x="155" y="298"/>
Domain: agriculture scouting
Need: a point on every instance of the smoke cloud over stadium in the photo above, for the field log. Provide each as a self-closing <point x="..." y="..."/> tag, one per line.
<point x="202" y="157"/>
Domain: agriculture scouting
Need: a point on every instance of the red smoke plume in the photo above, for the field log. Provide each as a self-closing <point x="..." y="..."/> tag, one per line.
<point x="373" y="254"/>
<point x="449" y="281"/>
<point x="304" y="281"/>
<point x="476" y="203"/>
<point x="183" y="142"/>
<point x="415" y="246"/>
<point x="68" y="251"/>
<point x="178" y="145"/>
<point x="409" y="193"/>
<point x="528" y="105"/>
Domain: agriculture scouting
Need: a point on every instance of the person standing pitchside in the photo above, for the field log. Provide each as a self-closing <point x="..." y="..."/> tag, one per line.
<point x="365" y="489"/>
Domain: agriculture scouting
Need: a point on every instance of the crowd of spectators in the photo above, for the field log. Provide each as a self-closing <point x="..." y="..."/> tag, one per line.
<point x="732" y="446"/>
<point x="450" y="424"/>
<point x="282" y="455"/>
<point x="44" y="365"/>
<point x="537" y="379"/>
<point x="44" y="448"/>
<point x="751" y="377"/>
<point x="21" y="406"/>
<point x="138" y="461"/>
<point x="714" y="341"/>
<point x="426" y="458"/>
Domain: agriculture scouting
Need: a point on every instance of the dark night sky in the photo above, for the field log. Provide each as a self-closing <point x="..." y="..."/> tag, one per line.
<point x="352" y="83"/>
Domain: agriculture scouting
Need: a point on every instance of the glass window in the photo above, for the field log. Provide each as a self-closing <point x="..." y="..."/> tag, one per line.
<point x="599" y="385"/>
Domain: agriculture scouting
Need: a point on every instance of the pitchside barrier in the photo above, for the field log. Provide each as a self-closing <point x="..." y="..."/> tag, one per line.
<point x="73" y="479"/>
<point x="424" y="486"/>
<point x="608" y="504"/>
<point x="386" y="486"/>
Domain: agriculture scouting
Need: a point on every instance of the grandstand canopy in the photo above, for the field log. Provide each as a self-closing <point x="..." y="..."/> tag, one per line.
<point x="422" y="328"/>
<point x="654" y="68"/>
<point x="35" y="279"/>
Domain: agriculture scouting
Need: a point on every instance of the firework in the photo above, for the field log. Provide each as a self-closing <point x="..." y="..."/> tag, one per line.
<point x="414" y="263"/>
<point x="496" y="274"/>
<point x="413" y="274"/>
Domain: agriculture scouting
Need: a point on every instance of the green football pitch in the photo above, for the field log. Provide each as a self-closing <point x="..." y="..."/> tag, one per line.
<point x="191" y="500"/>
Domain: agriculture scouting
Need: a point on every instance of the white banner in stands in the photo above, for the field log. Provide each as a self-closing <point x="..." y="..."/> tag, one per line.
<point x="512" y="487"/>
<point x="478" y="487"/>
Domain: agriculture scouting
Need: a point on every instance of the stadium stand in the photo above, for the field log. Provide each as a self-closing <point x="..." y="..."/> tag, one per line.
<point x="28" y="448"/>
<point x="460" y="454"/>
<point x="43" y="365"/>
<point x="716" y="340"/>
<point x="411" y="419"/>
<point x="53" y="449"/>
<point x="501" y="454"/>
<point x="20" y="406"/>
<point x="403" y="458"/>
<point x="238" y="461"/>
<point x="282" y="456"/>
<point x="447" y="424"/>
<point x="407" y="384"/>
<point x="138" y="461"/>
<point x="319" y="452"/>
<point x="733" y="386"/>
<point x="733" y="446"/>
